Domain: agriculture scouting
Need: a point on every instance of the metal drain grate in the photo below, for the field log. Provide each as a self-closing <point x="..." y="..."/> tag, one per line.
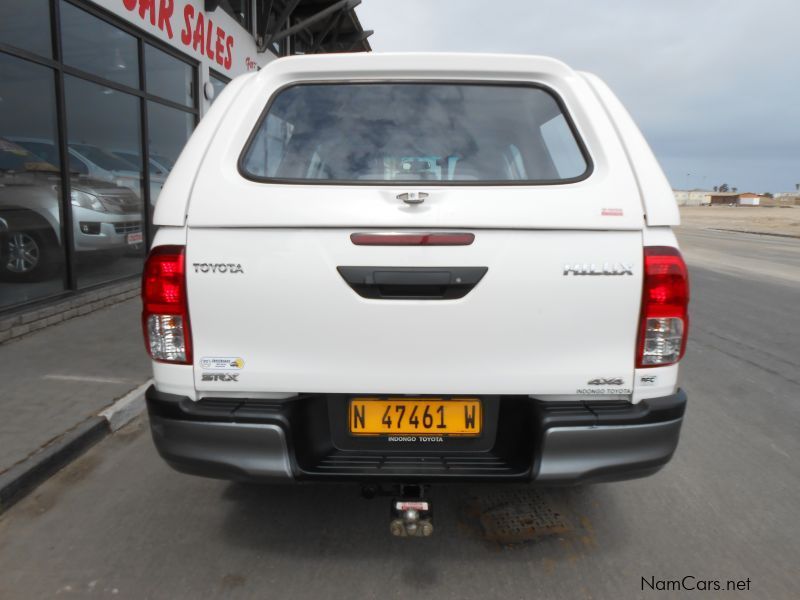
<point x="516" y="516"/>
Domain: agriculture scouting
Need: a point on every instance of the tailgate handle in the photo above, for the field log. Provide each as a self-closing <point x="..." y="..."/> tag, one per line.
<point x="412" y="283"/>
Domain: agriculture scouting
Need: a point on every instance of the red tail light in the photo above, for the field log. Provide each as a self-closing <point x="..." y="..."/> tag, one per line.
<point x="165" y="313"/>
<point x="664" y="322"/>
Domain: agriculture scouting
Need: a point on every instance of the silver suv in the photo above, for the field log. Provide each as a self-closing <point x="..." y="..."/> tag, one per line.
<point x="106" y="217"/>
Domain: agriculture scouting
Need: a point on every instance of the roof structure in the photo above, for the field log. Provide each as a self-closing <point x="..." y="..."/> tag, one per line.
<point x="307" y="26"/>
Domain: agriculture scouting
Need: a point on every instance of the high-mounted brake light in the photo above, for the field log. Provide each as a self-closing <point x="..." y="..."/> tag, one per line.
<point x="412" y="239"/>
<point x="664" y="322"/>
<point x="165" y="313"/>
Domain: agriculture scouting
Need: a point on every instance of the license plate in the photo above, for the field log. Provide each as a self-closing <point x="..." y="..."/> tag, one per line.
<point x="135" y="238"/>
<point x="412" y="416"/>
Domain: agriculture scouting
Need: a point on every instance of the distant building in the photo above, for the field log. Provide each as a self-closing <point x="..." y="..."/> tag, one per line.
<point x="736" y="198"/>
<point x="691" y="197"/>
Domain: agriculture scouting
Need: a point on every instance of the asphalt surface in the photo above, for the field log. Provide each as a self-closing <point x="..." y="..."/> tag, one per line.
<point x="119" y="523"/>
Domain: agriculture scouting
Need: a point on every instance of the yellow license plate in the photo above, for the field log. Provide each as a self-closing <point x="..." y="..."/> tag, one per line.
<point x="412" y="416"/>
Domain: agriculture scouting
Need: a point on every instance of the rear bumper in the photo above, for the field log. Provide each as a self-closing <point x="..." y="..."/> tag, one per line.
<point x="283" y="441"/>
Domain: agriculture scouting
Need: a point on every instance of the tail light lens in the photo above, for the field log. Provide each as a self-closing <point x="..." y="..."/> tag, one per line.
<point x="165" y="314"/>
<point x="664" y="322"/>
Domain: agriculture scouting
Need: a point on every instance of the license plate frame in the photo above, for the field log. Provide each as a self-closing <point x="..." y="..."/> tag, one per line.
<point x="444" y="418"/>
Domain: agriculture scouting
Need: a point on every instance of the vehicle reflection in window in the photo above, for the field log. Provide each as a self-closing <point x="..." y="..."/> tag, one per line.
<point x="97" y="163"/>
<point x="31" y="254"/>
<point x="29" y="208"/>
<point x="101" y="120"/>
<point x="169" y="130"/>
<point x="106" y="217"/>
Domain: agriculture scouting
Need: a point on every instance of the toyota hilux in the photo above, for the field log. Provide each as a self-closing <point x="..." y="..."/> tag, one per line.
<point x="407" y="269"/>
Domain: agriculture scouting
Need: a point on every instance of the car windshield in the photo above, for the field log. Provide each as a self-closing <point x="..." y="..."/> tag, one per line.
<point x="431" y="132"/>
<point x="167" y="163"/>
<point x="104" y="160"/>
<point x="16" y="158"/>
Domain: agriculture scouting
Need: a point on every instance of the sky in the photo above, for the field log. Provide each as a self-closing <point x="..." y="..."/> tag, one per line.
<point x="713" y="84"/>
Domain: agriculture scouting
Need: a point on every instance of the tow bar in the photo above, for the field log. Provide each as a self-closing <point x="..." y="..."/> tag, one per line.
<point x="411" y="514"/>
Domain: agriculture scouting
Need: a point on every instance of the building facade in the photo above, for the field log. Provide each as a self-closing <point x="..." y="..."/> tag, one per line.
<point x="736" y="198"/>
<point x="691" y="197"/>
<point x="97" y="99"/>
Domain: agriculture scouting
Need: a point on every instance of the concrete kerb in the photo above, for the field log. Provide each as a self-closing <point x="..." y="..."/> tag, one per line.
<point x="127" y="408"/>
<point x="27" y="475"/>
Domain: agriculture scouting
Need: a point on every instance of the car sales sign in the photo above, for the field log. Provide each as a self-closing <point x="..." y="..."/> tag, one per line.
<point x="211" y="37"/>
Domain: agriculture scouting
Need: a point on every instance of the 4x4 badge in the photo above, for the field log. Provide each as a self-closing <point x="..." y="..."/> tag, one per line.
<point x="601" y="381"/>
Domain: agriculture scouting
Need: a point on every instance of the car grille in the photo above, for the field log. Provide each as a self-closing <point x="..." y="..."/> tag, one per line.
<point x="132" y="227"/>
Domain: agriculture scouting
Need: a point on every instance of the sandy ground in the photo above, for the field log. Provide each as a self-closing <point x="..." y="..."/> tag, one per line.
<point x="784" y="221"/>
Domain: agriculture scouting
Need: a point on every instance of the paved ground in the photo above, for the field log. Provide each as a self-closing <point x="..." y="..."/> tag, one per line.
<point x="58" y="377"/>
<point x="119" y="523"/>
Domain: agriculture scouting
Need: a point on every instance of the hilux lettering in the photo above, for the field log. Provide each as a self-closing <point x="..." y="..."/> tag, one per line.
<point x="598" y="269"/>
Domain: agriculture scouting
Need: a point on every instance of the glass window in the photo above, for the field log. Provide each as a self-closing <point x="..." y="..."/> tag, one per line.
<point x="240" y="10"/>
<point x="432" y="132"/>
<point x="218" y="83"/>
<point x="168" y="77"/>
<point x="98" y="47"/>
<point x="31" y="253"/>
<point x="169" y="128"/>
<point x="560" y="144"/>
<point x="107" y="209"/>
<point x="26" y="24"/>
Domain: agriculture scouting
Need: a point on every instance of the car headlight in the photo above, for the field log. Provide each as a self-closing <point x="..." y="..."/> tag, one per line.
<point x="87" y="200"/>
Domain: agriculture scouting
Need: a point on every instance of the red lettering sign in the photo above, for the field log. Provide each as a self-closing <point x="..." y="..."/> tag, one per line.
<point x="188" y="15"/>
<point x="148" y="6"/>
<point x="165" y="9"/>
<point x="199" y="32"/>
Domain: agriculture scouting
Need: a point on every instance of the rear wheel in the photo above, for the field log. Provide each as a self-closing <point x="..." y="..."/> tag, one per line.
<point x="31" y="256"/>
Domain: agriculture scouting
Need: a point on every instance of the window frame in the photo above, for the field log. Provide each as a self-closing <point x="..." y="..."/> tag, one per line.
<point x="240" y="163"/>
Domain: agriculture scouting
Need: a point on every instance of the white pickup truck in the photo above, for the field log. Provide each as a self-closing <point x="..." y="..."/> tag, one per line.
<point x="400" y="269"/>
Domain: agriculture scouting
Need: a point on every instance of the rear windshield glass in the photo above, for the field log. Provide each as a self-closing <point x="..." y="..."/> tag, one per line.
<point x="431" y="132"/>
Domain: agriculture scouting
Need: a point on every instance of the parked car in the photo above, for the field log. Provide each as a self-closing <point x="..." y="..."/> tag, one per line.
<point x="106" y="218"/>
<point x="158" y="166"/>
<point x="95" y="163"/>
<point x="402" y="270"/>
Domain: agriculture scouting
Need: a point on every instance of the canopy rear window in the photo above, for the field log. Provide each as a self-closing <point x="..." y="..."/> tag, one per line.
<point x="433" y="133"/>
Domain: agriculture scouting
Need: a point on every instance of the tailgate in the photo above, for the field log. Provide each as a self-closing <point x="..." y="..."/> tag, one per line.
<point x="280" y="316"/>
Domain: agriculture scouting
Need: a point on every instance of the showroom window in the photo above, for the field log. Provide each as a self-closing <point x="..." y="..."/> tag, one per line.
<point x="32" y="253"/>
<point x="169" y="77"/>
<point x="97" y="47"/>
<point x="114" y="108"/>
<point x="26" y="25"/>
<point x="218" y="82"/>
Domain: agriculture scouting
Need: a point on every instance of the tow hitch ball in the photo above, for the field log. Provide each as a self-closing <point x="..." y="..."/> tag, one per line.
<point x="411" y="515"/>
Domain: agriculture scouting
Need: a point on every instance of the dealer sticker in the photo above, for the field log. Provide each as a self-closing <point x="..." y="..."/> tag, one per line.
<point x="222" y="363"/>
